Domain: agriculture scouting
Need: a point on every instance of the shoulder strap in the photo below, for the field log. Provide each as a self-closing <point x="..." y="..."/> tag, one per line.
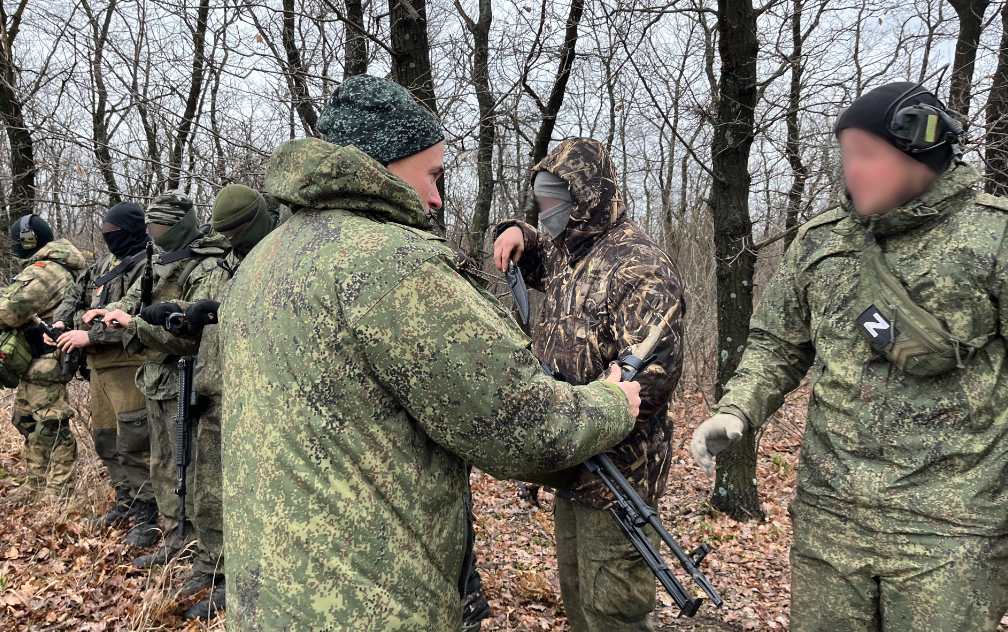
<point x="124" y="266"/>
<point x="991" y="201"/>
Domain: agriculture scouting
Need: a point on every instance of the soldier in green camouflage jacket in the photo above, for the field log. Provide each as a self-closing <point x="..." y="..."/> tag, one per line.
<point x="242" y="215"/>
<point x="362" y="375"/>
<point x="606" y="283"/>
<point x="898" y="301"/>
<point x="181" y="272"/>
<point x="41" y="412"/>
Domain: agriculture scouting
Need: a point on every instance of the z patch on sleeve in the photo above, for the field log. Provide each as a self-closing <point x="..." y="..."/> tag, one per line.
<point x="879" y="329"/>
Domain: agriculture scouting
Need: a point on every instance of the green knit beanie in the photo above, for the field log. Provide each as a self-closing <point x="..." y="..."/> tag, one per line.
<point x="379" y="117"/>
<point x="235" y="205"/>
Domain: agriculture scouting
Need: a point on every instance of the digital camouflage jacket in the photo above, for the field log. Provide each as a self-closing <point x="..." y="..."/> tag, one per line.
<point x="185" y="280"/>
<point x="892" y="451"/>
<point x="362" y="374"/>
<point x="38" y="289"/>
<point x="106" y="350"/>
<point x="605" y="282"/>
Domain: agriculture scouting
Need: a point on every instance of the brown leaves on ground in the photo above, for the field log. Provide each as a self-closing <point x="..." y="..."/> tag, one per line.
<point x="59" y="573"/>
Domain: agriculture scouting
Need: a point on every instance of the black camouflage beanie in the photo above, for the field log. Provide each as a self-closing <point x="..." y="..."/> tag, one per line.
<point x="379" y="117"/>
<point x="168" y="208"/>
<point x="873" y="113"/>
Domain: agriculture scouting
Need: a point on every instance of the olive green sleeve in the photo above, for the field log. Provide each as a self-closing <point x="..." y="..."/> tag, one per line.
<point x="779" y="351"/>
<point x="471" y="383"/>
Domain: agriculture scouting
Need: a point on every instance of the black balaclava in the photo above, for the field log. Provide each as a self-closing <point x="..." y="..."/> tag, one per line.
<point x="133" y="236"/>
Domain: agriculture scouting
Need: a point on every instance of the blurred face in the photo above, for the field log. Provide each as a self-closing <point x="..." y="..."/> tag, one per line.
<point x="155" y="230"/>
<point x="879" y="176"/>
<point x="546" y="203"/>
<point x="109" y="228"/>
<point x="421" y="171"/>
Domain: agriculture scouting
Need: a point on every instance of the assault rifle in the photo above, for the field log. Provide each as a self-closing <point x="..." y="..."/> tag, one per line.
<point x="632" y="514"/>
<point x="188" y="416"/>
<point x="47" y="329"/>
<point x="147" y="280"/>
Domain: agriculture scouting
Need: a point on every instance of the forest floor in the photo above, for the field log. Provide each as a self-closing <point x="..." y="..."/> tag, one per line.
<point x="58" y="573"/>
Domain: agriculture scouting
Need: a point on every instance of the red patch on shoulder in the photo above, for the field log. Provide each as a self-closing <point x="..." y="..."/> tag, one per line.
<point x="40" y="264"/>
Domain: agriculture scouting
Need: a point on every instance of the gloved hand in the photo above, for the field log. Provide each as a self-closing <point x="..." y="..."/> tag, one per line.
<point x="202" y="313"/>
<point x="713" y="436"/>
<point x="157" y="313"/>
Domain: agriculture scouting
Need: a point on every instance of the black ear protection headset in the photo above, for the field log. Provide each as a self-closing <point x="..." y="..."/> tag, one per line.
<point x="26" y="235"/>
<point x="919" y="127"/>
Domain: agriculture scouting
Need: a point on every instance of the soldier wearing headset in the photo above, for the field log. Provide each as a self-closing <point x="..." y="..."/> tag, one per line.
<point x="897" y="299"/>
<point x="41" y="412"/>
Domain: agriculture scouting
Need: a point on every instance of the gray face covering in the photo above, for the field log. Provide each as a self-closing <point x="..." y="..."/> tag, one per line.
<point x="554" y="220"/>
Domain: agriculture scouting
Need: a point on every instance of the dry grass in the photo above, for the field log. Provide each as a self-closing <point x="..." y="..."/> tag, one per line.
<point x="56" y="571"/>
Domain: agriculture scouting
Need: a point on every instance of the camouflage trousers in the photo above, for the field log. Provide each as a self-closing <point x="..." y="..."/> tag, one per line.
<point x="209" y="490"/>
<point x="604" y="582"/>
<point x="119" y="430"/>
<point x="845" y="578"/>
<point x="164" y="474"/>
<point x="41" y="413"/>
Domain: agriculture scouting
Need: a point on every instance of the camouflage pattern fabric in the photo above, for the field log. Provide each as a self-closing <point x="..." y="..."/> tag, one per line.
<point x="186" y="280"/>
<point x="50" y="449"/>
<point x="604" y="583"/>
<point x="164" y="476"/>
<point x="847" y="578"/>
<point x="361" y="375"/>
<point x="118" y="410"/>
<point x="605" y="282"/>
<point x="168" y="208"/>
<point x="890" y="451"/>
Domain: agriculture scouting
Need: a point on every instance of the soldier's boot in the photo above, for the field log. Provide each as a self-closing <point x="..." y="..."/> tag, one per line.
<point x="168" y="552"/>
<point x="62" y="459"/>
<point x="145" y="531"/>
<point x="475" y="606"/>
<point x="197" y="582"/>
<point x="121" y="512"/>
<point x="207" y="608"/>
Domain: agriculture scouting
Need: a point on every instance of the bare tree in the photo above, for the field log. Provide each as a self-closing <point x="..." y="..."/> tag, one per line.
<point x="480" y="30"/>
<point x="971" y="13"/>
<point x="551" y="107"/>
<point x="996" y="156"/>
<point x="735" y="489"/>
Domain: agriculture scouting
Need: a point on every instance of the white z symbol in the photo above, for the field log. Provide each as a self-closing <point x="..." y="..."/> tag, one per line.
<point x="879" y="323"/>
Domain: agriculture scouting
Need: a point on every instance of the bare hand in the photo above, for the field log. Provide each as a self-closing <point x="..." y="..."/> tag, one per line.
<point x="92" y="314"/>
<point x="631" y="389"/>
<point x="509" y="247"/>
<point x="76" y="339"/>
<point x="49" y="341"/>
<point x="117" y="318"/>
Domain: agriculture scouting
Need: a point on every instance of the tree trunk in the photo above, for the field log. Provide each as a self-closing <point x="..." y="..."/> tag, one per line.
<point x="996" y="151"/>
<point x="22" y="195"/>
<point x="99" y="121"/>
<point x="792" y="148"/>
<point x="297" y="81"/>
<point x="356" y="43"/>
<point x="411" y="65"/>
<point x="550" y="109"/>
<point x="480" y="30"/>
<point x="193" y="100"/>
<point x="735" y="488"/>
<point x="970" y="14"/>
